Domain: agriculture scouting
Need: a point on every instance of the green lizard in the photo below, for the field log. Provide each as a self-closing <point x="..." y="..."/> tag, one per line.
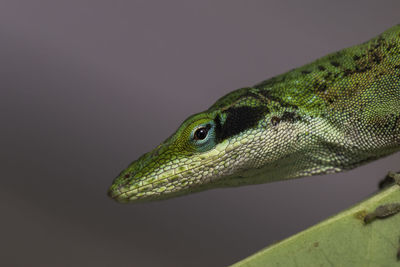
<point x="334" y="114"/>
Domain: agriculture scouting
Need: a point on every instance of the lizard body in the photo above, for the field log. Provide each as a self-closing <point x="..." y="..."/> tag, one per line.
<point x="334" y="114"/>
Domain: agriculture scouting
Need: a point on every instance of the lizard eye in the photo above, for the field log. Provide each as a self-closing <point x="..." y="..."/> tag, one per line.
<point x="200" y="133"/>
<point x="203" y="137"/>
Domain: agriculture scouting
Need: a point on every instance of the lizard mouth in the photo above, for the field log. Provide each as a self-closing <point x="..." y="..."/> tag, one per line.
<point x="117" y="195"/>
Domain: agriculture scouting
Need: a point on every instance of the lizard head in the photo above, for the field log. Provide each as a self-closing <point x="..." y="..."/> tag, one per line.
<point x="181" y="162"/>
<point x="206" y="148"/>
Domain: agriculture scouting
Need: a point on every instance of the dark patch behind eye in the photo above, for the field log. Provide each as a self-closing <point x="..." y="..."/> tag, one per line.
<point x="238" y="120"/>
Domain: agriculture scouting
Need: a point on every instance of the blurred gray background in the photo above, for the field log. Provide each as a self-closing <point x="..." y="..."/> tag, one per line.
<point x="87" y="86"/>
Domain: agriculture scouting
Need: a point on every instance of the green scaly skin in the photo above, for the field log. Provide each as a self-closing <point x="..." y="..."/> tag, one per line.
<point x="334" y="114"/>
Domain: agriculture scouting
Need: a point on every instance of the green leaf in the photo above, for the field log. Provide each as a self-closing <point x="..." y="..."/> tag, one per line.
<point x="342" y="240"/>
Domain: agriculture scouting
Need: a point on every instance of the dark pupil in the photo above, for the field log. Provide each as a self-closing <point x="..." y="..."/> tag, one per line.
<point x="200" y="133"/>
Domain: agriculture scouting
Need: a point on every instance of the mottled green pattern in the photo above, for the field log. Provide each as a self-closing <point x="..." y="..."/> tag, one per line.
<point x="331" y="115"/>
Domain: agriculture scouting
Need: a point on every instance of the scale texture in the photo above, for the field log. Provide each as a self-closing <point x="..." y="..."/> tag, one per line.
<point x="331" y="115"/>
